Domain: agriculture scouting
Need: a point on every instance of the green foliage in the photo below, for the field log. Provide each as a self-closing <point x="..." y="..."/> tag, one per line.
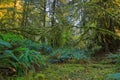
<point x="81" y="54"/>
<point x="45" y="49"/>
<point x="5" y="44"/>
<point x="18" y="54"/>
<point x="78" y="71"/>
<point x="76" y="55"/>
<point x="115" y="76"/>
<point x="25" y="43"/>
<point x="24" y="61"/>
<point x="67" y="55"/>
<point x="1" y="37"/>
<point x="115" y="57"/>
<point x="11" y="37"/>
<point x="29" y="76"/>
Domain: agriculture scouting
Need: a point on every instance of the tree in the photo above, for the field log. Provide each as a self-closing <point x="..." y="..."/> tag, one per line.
<point x="100" y="23"/>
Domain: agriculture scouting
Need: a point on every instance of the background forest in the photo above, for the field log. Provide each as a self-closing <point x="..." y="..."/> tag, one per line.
<point x="59" y="39"/>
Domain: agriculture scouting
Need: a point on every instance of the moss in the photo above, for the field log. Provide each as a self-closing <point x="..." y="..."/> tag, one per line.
<point x="77" y="71"/>
<point x="74" y="72"/>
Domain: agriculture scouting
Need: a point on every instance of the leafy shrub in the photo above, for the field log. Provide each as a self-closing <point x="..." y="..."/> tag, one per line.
<point x="81" y="54"/>
<point x="58" y="53"/>
<point x="20" y="54"/>
<point x="4" y="45"/>
<point x="67" y="55"/>
<point x="17" y="41"/>
<point x="95" y="49"/>
<point x="24" y="43"/>
<point x="42" y="48"/>
<point x="10" y="37"/>
<point x="115" y="57"/>
<point x="45" y="49"/>
<point x="1" y="37"/>
<point x="115" y="76"/>
<point x="23" y="62"/>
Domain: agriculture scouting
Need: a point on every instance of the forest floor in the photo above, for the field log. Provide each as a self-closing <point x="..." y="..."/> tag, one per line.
<point x="78" y="72"/>
<point x="93" y="70"/>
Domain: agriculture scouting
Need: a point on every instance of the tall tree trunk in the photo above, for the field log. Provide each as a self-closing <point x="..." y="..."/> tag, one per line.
<point x="14" y="14"/>
<point x="53" y="14"/>
<point x="44" y="21"/>
<point x="53" y="22"/>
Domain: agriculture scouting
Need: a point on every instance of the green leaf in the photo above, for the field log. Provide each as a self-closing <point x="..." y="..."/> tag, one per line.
<point x="21" y="49"/>
<point x="115" y="76"/>
<point x="6" y="44"/>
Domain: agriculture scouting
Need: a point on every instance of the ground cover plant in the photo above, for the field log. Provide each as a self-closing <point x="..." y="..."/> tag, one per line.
<point x="17" y="57"/>
<point x="24" y="59"/>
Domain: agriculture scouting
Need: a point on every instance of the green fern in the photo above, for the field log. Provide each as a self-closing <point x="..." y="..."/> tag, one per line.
<point x="5" y="44"/>
<point x="61" y="55"/>
<point x="10" y="37"/>
<point x="115" y="76"/>
<point x="21" y="54"/>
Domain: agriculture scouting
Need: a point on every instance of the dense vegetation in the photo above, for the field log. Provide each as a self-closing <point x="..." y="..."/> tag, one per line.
<point x="59" y="40"/>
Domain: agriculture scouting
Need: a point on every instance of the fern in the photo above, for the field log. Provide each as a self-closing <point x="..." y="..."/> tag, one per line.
<point x="1" y="37"/>
<point x="11" y="37"/>
<point x="115" y="76"/>
<point x="5" y="44"/>
<point x="19" y="55"/>
<point x="62" y="55"/>
<point x="115" y="57"/>
<point x="22" y="62"/>
<point x="45" y="49"/>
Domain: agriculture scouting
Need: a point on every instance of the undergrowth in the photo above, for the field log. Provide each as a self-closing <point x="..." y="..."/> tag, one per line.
<point x="115" y="59"/>
<point x="17" y="56"/>
<point x="63" y="55"/>
<point x="23" y="59"/>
